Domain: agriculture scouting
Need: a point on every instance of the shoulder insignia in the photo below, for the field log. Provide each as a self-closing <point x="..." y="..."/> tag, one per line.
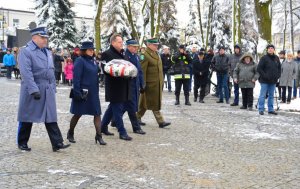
<point x="142" y="57"/>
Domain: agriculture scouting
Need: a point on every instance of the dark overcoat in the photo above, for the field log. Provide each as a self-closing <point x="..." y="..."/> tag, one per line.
<point x="85" y="76"/>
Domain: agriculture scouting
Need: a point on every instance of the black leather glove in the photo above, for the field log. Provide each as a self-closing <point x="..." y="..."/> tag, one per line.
<point x="142" y="90"/>
<point x="36" y="95"/>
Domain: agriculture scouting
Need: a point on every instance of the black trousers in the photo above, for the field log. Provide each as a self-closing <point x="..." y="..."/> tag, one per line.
<point x="247" y="95"/>
<point x="24" y="131"/>
<point x="178" y="85"/>
<point x="283" y="96"/>
<point x="199" y="84"/>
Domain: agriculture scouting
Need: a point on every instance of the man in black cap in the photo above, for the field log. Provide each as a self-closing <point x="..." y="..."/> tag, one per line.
<point x="233" y="60"/>
<point x="201" y="72"/>
<point x="181" y="66"/>
<point x="220" y="64"/>
<point x="37" y="95"/>
<point x="269" y="69"/>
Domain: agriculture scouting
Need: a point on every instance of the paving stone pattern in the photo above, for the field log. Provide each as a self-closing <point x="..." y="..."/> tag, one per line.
<point x="207" y="146"/>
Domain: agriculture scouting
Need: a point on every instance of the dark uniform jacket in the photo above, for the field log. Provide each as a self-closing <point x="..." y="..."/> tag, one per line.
<point x="181" y="66"/>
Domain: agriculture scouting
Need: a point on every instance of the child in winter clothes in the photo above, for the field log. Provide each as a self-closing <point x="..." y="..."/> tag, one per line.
<point x="245" y="75"/>
<point x="68" y="70"/>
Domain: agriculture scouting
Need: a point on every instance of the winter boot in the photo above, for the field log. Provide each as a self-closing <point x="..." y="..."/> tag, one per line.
<point x="187" y="101"/>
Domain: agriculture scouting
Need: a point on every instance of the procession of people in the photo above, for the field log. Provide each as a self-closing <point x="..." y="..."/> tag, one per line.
<point x="42" y="70"/>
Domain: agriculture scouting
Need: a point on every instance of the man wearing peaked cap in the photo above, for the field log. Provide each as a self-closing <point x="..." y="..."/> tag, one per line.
<point x="132" y="42"/>
<point x="137" y="85"/>
<point x="153" y="77"/>
<point x="153" y="41"/>
<point x="41" y="31"/>
<point x="37" y="95"/>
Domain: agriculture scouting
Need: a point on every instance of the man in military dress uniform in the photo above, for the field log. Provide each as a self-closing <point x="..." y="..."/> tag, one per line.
<point x="37" y="95"/>
<point x="153" y="78"/>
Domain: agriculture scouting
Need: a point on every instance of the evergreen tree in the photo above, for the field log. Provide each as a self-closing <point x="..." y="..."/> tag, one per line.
<point x="59" y="18"/>
<point x="191" y="29"/>
<point x="221" y="24"/>
<point x="169" y="25"/>
<point x="83" y="31"/>
<point x="115" y="19"/>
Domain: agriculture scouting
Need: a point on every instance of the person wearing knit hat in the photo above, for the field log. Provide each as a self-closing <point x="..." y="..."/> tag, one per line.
<point x="270" y="46"/>
<point x="269" y="69"/>
<point x="76" y="54"/>
<point x="234" y="59"/>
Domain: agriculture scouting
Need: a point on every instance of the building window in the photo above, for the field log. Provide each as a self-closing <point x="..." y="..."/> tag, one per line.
<point x="16" y="23"/>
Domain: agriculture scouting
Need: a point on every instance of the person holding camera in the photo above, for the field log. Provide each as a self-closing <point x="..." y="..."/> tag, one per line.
<point x="181" y="67"/>
<point x="85" y="97"/>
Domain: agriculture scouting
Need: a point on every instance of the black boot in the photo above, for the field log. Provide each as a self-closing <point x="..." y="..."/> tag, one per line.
<point x="98" y="138"/>
<point x="177" y="100"/>
<point x="70" y="136"/>
<point x="187" y="101"/>
<point x="195" y="98"/>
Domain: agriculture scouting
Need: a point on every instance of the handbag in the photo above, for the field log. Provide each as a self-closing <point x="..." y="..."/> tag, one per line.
<point x="83" y="95"/>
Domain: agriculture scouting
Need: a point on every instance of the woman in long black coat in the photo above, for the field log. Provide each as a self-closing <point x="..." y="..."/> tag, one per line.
<point x="86" y="91"/>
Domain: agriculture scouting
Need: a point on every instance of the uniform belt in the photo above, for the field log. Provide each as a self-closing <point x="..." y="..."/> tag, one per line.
<point x="44" y="81"/>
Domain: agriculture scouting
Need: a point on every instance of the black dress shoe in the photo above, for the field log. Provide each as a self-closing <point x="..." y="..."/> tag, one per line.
<point x="233" y="104"/>
<point x="273" y="113"/>
<point x="201" y="101"/>
<point x="24" y="147"/>
<point x="140" y="131"/>
<point x="243" y="107"/>
<point x="125" y="137"/>
<point x="219" y="101"/>
<point x="70" y="137"/>
<point x="60" y="146"/>
<point x="141" y="123"/>
<point x="107" y="133"/>
<point x="261" y="113"/>
<point x="164" y="124"/>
